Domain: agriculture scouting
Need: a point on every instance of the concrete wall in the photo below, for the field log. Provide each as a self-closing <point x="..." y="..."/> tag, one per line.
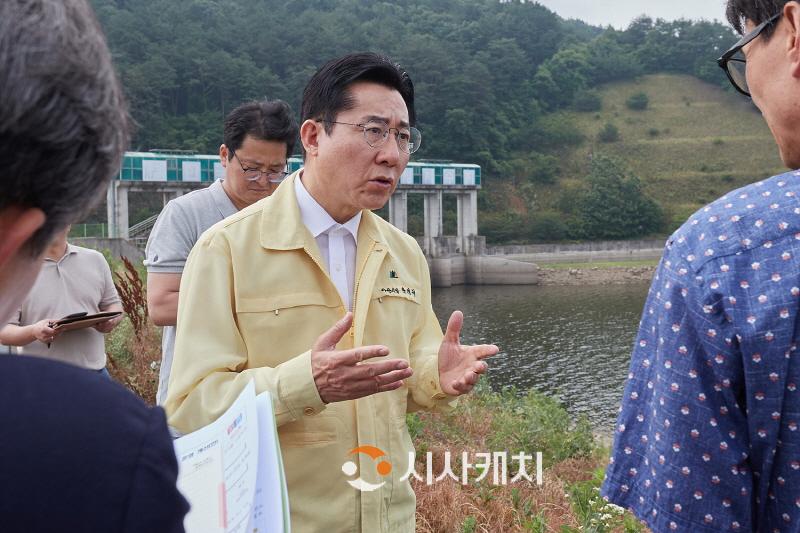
<point x="447" y="245"/>
<point x="118" y="247"/>
<point x="582" y="252"/>
<point x="481" y="270"/>
<point x="595" y="246"/>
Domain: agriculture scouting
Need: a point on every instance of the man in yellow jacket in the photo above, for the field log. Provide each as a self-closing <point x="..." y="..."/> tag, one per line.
<point x="261" y="288"/>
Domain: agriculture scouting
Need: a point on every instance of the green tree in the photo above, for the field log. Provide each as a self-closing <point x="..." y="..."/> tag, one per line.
<point x="613" y="205"/>
<point x="610" y="59"/>
<point x="562" y="76"/>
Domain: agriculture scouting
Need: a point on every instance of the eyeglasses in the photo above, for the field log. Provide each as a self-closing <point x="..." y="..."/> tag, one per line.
<point x="733" y="61"/>
<point x="408" y="139"/>
<point x="254" y="174"/>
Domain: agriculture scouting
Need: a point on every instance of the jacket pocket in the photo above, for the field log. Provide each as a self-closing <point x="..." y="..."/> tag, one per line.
<point x="279" y="327"/>
<point x="402" y="311"/>
<point x="319" y="431"/>
<point x="284" y="301"/>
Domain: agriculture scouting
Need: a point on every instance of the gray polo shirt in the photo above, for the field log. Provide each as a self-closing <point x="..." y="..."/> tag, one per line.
<point x="178" y="227"/>
<point x="79" y="281"/>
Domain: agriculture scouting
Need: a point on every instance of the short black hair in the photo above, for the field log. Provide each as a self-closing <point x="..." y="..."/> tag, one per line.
<point x="264" y="120"/>
<point x="326" y="93"/>
<point x="64" y="124"/>
<point x="756" y="11"/>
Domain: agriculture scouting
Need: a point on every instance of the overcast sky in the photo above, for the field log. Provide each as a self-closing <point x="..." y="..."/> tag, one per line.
<point x="619" y="13"/>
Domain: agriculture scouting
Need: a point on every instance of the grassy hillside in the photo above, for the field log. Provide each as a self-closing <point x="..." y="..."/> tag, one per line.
<point x="693" y="143"/>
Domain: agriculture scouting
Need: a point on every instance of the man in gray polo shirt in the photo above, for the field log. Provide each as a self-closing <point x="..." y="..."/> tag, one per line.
<point x="258" y="139"/>
<point x="72" y="280"/>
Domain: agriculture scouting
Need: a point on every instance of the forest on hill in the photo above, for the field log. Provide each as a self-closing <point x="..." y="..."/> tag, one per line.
<point x="494" y="82"/>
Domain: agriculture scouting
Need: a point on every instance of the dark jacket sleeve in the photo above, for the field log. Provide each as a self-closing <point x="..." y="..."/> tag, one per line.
<point x="154" y="503"/>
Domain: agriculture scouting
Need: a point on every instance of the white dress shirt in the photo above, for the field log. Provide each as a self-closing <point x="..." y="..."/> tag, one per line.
<point x="336" y="242"/>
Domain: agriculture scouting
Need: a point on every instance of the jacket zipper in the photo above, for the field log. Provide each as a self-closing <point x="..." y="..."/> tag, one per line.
<point x="355" y="289"/>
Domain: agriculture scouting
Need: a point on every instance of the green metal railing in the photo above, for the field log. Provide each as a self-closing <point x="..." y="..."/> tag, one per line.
<point x="186" y="167"/>
<point x="82" y="231"/>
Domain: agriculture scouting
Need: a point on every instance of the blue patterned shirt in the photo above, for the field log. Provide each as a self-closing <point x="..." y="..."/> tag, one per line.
<point x="707" y="437"/>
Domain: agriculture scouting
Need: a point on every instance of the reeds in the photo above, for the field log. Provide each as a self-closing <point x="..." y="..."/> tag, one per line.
<point x="133" y="294"/>
<point x="134" y="347"/>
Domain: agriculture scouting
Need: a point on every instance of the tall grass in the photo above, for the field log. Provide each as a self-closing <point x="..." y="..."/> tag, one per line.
<point x="567" y="500"/>
<point x="134" y="347"/>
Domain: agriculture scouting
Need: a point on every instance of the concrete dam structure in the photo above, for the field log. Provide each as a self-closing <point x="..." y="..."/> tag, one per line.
<point x="453" y="259"/>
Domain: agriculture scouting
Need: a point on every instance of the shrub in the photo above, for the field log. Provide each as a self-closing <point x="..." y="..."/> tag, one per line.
<point x="469" y="524"/>
<point x="608" y="134"/>
<point x="547" y="227"/>
<point x="596" y="514"/>
<point x="536" y="422"/>
<point x="638" y="102"/>
<point x="653" y="132"/>
<point x="588" y="101"/>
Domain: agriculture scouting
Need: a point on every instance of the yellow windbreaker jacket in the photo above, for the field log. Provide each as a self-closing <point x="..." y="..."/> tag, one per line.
<point x="254" y="297"/>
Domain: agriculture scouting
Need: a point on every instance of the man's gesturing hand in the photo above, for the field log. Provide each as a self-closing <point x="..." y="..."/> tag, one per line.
<point x="339" y="374"/>
<point x="461" y="366"/>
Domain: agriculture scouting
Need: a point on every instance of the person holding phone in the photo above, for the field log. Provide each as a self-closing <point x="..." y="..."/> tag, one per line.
<point x="72" y="280"/>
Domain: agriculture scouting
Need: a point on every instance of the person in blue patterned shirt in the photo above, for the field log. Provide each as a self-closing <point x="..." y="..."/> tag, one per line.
<point x="708" y="436"/>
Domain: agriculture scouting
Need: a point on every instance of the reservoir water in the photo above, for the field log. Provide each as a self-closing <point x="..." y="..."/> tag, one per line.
<point x="571" y="343"/>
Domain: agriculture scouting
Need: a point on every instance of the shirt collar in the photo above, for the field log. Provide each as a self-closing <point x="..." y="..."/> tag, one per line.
<point x="221" y="199"/>
<point x="71" y="249"/>
<point x="282" y="228"/>
<point x="314" y="216"/>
